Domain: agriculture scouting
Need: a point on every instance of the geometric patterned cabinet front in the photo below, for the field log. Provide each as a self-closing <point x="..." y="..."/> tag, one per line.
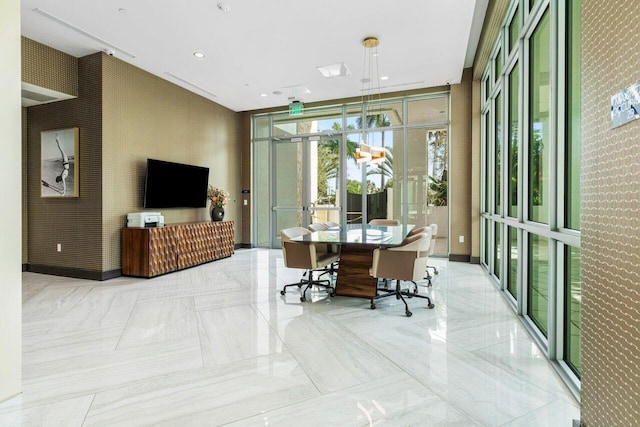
<point x="149" y="252"/>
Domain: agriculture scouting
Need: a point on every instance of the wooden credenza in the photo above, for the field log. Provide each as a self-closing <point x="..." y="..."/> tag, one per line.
<point x="149" y="252"/>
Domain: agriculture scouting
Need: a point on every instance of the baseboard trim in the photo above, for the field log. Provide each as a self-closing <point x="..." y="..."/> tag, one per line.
<point x="24" y="267"/>
<point x="244" y="246"/>
<point x="76" y="273"/>
<point x="474" y="260"/>
<point x="459" y="258"/>
<point x="112" y="274"/>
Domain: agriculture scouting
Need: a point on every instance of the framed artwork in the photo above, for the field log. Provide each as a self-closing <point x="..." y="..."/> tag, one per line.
<point x="59" y="166"/>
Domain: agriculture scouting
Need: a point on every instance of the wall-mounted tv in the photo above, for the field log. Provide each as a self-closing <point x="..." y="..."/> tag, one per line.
<point x="175" y="185"/>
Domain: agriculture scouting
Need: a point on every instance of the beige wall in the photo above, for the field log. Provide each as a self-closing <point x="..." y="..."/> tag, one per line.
<point x="610" y="220"/>
<point x="125" y="115"/>
<point x="145" y="116"/>
<point x="10" y="173"/>
<point x="476" y="157"/>
<point x="460" y="169"/>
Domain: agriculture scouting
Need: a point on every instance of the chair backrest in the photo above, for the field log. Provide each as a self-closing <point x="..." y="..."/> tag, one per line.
<point x="406" y="262"/>
<point x="419" y="230"/>
<point x="289" y="233"/>
<point x="413" y="237"/>
<point x="384" y="222"/>
<point x="317" y="226"/>
<point x="297" y="254"/>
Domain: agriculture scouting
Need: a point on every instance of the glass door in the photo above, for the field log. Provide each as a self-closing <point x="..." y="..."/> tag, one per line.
<point x="305" y="182"/>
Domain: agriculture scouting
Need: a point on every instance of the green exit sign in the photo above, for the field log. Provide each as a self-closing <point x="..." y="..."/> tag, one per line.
<point x="296" y="108"/>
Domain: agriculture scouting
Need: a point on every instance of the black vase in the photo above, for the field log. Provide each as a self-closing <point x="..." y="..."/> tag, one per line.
<point x="217" y="213"/>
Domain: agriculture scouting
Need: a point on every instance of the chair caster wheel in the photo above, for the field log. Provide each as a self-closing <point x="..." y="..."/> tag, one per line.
<point x="409" y="314"/>
<point x="373" y="306"/>
<point x="332" y="294"/>
<point x="282" y="292"/>
<point x="431" y="305"/>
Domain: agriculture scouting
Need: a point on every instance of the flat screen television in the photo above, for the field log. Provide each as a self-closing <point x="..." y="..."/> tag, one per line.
<point x="175" y="185"/>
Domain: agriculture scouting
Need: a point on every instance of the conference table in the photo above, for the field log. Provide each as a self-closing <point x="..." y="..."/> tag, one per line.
<point x="357" y="243"/>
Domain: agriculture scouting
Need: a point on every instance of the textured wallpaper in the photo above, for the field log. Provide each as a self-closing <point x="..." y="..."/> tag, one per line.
<point x="75" y="223"/>
<point x="610" y="218"/>
<point x="144" y="117"/>
<point x="47" y="67"/>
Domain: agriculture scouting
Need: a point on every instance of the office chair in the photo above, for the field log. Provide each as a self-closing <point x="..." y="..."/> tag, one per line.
<point x="333" y="248"/>
<point x="432" y="230"/>
<point x="384" y="222"/>
<point x="401" y="263"/>
<point x="304" y="255"/>
<point x="432" y="248"/>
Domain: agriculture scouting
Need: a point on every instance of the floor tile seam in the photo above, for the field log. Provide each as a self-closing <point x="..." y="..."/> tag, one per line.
<point x="286" y="347"/>
<point x="121" y="324"/>
<point x="252" y="304"/>
<point x="70" y="309"/>
<point x="309" y="399"/>
<point x="53" y="348"/>
<point x="528" y="329"/>
<point x="507" y="373"/>
<point x="114" y="364"/>
<point x="84" y="419"/>
<point x="199" y="333"/>
<point x="26" y="314"/>
<point x="95" y="391"/>
<point x="443" y="397"/>
<point x="528" y="414"/>
<point x="126" y="323"/>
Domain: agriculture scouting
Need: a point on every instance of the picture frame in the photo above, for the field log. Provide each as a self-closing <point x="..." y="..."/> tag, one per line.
<point x="59" y="174"/>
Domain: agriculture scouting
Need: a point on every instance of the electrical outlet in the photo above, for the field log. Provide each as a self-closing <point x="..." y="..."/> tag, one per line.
<point x="59" y="247"/>
<point x="244" y="202"/>
<point x="461" y="239"/>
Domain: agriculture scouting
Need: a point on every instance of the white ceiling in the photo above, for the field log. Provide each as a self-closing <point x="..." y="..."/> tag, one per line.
<point x="265" y="46"/>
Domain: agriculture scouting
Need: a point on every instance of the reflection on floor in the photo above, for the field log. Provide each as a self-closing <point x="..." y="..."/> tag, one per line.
<point x="218" y="345"/>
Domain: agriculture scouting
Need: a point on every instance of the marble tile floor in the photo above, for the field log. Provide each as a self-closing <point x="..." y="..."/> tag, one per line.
<point x="218" y="345"/>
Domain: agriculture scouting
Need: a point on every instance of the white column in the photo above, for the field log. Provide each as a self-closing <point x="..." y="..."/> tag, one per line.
<point x="10" y="194"/>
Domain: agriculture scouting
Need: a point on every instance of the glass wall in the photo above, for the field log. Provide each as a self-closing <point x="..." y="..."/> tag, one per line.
<point x="538" y="286"/>
<point x="572" y="120"/>
<point x="326" y="176"/>
<point x="573" y="286"/>
<point x="531" y="183"/>
<point x="539" y="131"/>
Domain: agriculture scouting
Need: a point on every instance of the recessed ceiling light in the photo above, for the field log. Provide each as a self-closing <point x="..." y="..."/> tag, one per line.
<point x="263" y="94"/>
<point x="384" y="78"/>
<point x="198" y="54"/>
<point x="122" y="10"/>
